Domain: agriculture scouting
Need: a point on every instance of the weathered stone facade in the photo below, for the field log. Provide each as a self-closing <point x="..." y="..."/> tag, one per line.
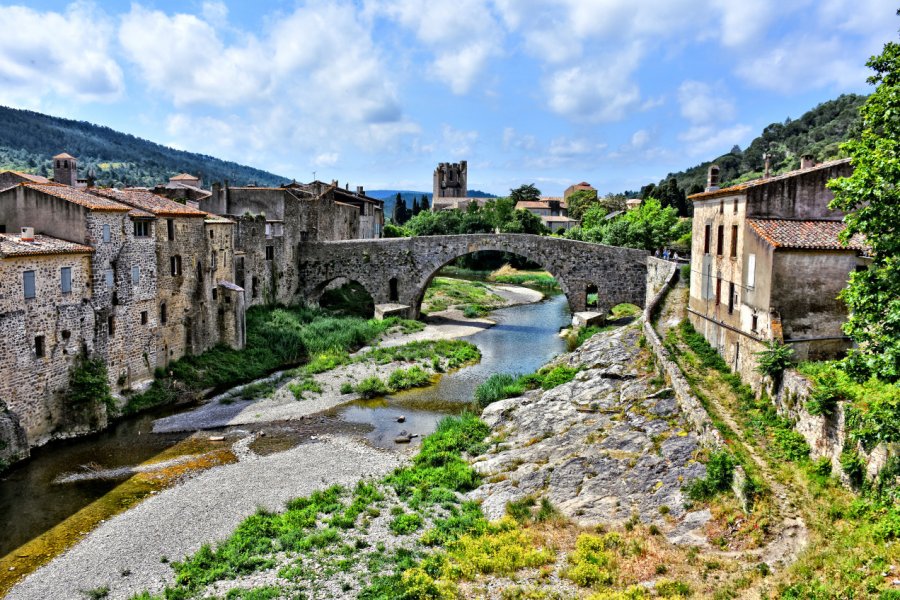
<point x="767" y="265"/>
<point x="451" y="180"/>
<point x="399" y="270"/>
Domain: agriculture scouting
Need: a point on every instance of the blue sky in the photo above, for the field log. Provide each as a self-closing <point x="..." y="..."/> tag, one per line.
<point x="377" y="92"/>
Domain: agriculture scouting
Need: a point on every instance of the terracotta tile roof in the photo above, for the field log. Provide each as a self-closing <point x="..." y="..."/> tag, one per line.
<point x="12" y="245"/>
<point x="811" y="235"/>
<point x="542" y="203"/>
<point x="64" y="155"/>
<point x="150" y="202"/>
<point x="560" y="220"/>
<point x="183" y="176"/>
<point x="29" y="176"/>
<point x="79" y="197"/>
<point x="214" y="218"/>
<point x="765" y="181"/>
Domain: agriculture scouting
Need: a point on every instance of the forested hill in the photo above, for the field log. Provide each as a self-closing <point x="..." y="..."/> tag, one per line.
<point x="818" y="132"/>
<point x="28" y="140"/>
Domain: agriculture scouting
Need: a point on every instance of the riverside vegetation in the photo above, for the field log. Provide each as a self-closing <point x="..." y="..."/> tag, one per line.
<point x="416" y="533"/>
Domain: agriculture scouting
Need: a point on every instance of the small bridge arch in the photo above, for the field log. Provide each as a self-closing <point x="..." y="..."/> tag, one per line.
<point x="398" y="270"/>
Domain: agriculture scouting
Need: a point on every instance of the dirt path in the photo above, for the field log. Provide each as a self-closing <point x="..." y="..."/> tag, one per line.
<point x="792" y="535"/>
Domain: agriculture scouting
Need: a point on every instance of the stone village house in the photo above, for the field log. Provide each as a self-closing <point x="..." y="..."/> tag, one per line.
<point x="766" y="264"/>
<point x="139" y="280"/>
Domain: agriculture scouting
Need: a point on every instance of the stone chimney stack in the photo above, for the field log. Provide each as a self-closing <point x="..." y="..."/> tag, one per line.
<point x="27" y="234"/>
<point x="807" y="161"/>
<point x="712" y="178"/>
<point x="360" y="191"/>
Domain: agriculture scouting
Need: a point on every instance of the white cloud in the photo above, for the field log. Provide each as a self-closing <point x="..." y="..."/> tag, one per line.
<point x="458" y="143"/>
<point x="463" y="35"/>
<point x="514" y="140"/>
<point x="640" y="138"/>
<point x="701" y="103"/>
<point x="326" y="159"/>
<point x="704" y="140"/>
<point x="67" y="54"/>
<point x="595" y="92"/>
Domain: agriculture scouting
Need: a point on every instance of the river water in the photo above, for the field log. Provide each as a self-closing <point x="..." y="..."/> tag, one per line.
<point x="524" y="338"/>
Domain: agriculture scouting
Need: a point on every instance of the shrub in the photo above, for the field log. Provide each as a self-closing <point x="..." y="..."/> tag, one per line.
<point x="346" y="388"/>
<point x="371" y="387"/>
<point x="591" y="564"/>
<point x="558" y="376"/>
<point x="774" y="359"/>
<point x="406" y="523"/>
<point x="853" y="465"/>
<point x="668" y="588"/>
<point x="719" y="474"/>
<point x="404" y="379"/>
<point x="89" y="383"/>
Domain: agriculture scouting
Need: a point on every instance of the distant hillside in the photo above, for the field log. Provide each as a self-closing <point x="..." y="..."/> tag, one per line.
<point x="28" y="140"/>
<point x="390" y="197"/>
<point x="819" y="132"/>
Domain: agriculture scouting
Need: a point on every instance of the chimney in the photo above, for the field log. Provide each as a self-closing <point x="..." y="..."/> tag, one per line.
<point x="360" y="191"/>
<point x="27" y="234"/>
<point x="766" y="174"/>
<point x="807" y="161"/>
<point x="712" y="178"/>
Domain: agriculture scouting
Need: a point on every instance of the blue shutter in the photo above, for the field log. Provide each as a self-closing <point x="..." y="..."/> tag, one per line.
<point x="106" y="233"/>
<point x="28" y="283"/>
<point x="135" y="275"/>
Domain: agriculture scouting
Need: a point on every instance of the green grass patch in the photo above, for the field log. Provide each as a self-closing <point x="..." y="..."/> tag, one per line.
<point x="500" y="386"/>
<point x="576" y="337"/>
<point x="404" y="379"/>
<point x="456" y="353"/>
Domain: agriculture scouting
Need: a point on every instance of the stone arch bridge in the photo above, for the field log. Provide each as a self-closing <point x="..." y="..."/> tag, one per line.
<point x="398" y="270"/>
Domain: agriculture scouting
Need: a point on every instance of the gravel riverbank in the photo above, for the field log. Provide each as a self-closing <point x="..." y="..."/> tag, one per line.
<point x="204" y="509"/>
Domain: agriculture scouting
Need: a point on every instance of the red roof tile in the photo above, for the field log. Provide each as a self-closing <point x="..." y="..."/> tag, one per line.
<point x="12" y="245"/>
<point x="150" y="202"/>
<point x="29" y="176"/>
<point x="812" y="235"/>
<point x="75" y="196"/>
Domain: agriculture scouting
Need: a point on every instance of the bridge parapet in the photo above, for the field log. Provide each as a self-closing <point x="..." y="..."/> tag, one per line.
<point x="398" y="270"/>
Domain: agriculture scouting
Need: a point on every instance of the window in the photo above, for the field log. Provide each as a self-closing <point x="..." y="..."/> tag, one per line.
<point x="110" y="278"/>
<point x="732" y="297"/>
<point x="214" y="262"/>
<point x="111" y="325"/>
<point x="2" y="227"/>
<point x="718" y="290"/>
<point x="270" y="252"/>
<point x="304" y="236"/>
<point x="175" y="264"/>
<point x="268" y="230"/>
<point x="215" y="294"/>
<point x="39" y="346"/>
<point x="734" y="235"/>
<point x="144" y="317"/>
<point x="751" y="271"/>
<point x="720" y="241"/>
<point x="170" y="228"/>
<point x="734" y="206"/>
<point x="706" y="283"/>
<point x="28" y="284"/>
<point x="754" y="323"/>
<point x="141" y="228"/>
<point x="706" y="241"/>
<point x="65" y="280"/>
<point x="135" y="275"/>
<point x="721" y="207"/>
<point x="211" y="232"/>
<point x="106" y="235"/>
<point x="394" y="292"/>
<point x="254" y="292"/>
<point x="163" y="313"/>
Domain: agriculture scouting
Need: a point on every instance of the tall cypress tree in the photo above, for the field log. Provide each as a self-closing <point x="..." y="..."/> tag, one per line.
<point x="424" y="203"/>
<point x="416" y="209"/>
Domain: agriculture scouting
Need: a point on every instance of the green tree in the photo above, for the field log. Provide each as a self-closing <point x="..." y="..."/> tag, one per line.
<point x="871" y="197"/>
<point x="424" y="205"/>
<point x="580" y="201"/>
<point x="416" y="209"/>
<point x="594" y="217"/>
<point x="401" y="212"/>
<point x="525" y="193"/>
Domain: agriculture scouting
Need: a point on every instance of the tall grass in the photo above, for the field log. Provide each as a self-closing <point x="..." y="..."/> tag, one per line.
<point x="276" y="337"/>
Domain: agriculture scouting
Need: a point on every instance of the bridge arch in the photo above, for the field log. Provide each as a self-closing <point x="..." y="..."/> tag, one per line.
<point x="619" y="274"/>
<point x="330" y="291"/>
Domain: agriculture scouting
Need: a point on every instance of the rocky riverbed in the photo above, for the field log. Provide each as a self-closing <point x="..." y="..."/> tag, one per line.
<point x="606" y="448"/>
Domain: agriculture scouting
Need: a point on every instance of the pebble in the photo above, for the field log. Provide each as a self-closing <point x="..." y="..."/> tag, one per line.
<point x="401" y="419"/>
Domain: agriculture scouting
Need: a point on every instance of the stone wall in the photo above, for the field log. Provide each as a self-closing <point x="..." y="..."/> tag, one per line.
<point x="826" y="436"/>
<point x="619" y="274"/>
<point x="659" y="273"/>
<point x="31" y="385"/>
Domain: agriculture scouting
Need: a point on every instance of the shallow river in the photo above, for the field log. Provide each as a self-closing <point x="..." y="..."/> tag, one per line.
<point x="524" y="338"/>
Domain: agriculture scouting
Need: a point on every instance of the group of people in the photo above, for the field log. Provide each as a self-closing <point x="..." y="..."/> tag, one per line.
<point x="666" y="254"/>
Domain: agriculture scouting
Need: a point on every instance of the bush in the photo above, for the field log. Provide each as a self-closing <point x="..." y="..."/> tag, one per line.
<point x="853" y="465"/>
<point x="774" y="359"/>
<point x="591" y="565"/>
<point x="372" y="387"/>
<point x="406" y="523"/>
<point x="557" y="376"/>
<point x="346" y="388"/>
<point x="89" y="383"/>
<point x="404" y="379"/>
<point x="719" y="475"/>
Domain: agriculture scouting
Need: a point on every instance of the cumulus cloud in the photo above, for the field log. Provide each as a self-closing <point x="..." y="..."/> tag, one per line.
<point x="462" y="35"/>
<point x="457" y="142"/>
<point x="700" y="102"/>
<point x="67" y="54"/>
<point x="704" y="140"/>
